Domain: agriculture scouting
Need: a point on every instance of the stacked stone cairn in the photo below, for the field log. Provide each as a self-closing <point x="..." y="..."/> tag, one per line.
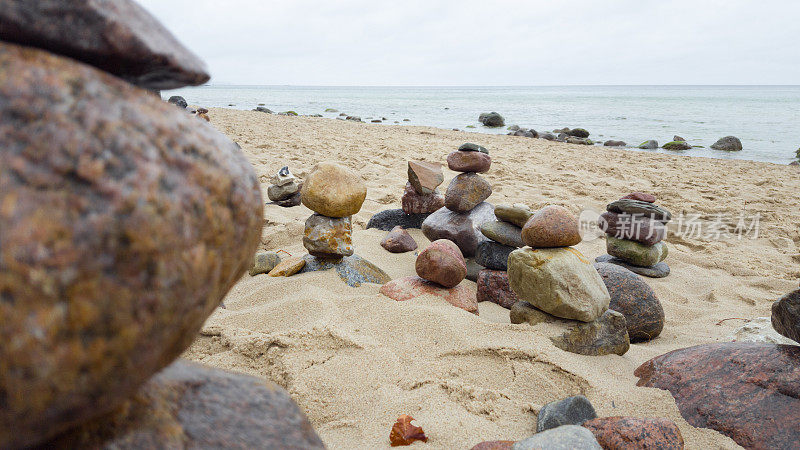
<point x="420" y="198"/>
<point x="635" y="228"/>
<point x="285" y="189"/>
<point x="124" y="221"/>
<point x="555" y="281"/>
<point x="465" y="209"/>
<point x="505" y="236"/>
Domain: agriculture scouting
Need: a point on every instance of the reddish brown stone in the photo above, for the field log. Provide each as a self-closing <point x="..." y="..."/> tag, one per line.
<point x="461" y="296"/>
<point x="786" y="315"/>
<point x="123" y="223"/>
<point x="632" y="227"/>
<point x="641" y="196"/>
<point x="746" y="391"/>
<point x="635" y="299"/>
<point x="494" y="445"/>
<point x="415" y="203"/>
<point x="635" y="433"/>
<point x="442" y="263"/>
<point x="119" y="37"/>
<point x="425" y="176"/>
<point x="493" y="287"/>
<point x="461" y="161"/>
<point x="399" y="241"/>
<point x="551" y="226"/>
<point x="466" y="191"/>
<point x="188" y="405"/>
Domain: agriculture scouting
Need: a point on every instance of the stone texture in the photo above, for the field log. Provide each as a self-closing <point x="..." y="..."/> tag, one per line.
<point x="263" y="262"/>
<point x="641" y="196"/>
<point x="353" y="270"/>
<point x="516" y="214"/>
<point x="466" y="191"/>
<point x="442" y="263"/>
<point x="399" y="241"/>
<point x="634" y="228"/>
<point x="552" y="226"/>
<point x="493" y="287"/>
<point x="677" y="145"/>
<point x="644" y="209"/>
<point x="294" y="200"/>
<point x="470" y="147"/>
<point x="188" y="405"/>
<point x="492" y="120"/>
<point x="578" y="132"/>
<point x="728" y="143"/>
<point x="333" y="190"/>
<point x="118" y="37"/>
<point x="105" y="189"/>
<point x="573" y="410"/>
<point x="415" y="203"/>
<point x="277" y="193"/>
<point x="635" y="299"/>
<point x="473" y="269"/>
<point x="565" y="437"/>
<point x="503" y="233"/>
<point x="493" y="255"/>
<point x="402" y="289"/>
<point x="390" y="218"/>
<point x="748" y="392"/>
<point x="494" y="445"/>
<point x="178" y="101"/>
<point x="328" y="236"/>
<point x="635" y="253"/>
<point x="559" y="281"/>
<point x="524" y="312"/>
<point x="786" y="315"/>
<point x="288" y="267"/>
<point x="635" y="433"/>
<point x="425" y="176"/>
<point x="607" y="335"/>
<point x="649" y="145"/>
<point x="659" y="270"/>
<point x="467" y="161"/>
<point x="461" y="228"/>
<point x="613" y="143"/>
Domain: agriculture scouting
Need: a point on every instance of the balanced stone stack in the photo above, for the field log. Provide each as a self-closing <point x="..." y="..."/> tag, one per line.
<point x="635" y="227"/>
<point x="420" y="198"/>
<point x="554" y="281"/>
<point x="285" y="189"/>
<point x="465" y="209"/>
<point x="124" y="221"/>
<point x="505" y="236"/>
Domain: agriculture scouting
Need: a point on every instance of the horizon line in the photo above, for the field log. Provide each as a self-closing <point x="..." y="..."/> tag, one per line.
<point x="494" y="86"/>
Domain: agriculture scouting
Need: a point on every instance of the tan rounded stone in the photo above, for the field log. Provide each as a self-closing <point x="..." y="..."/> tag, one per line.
<point x="333" y="190"/>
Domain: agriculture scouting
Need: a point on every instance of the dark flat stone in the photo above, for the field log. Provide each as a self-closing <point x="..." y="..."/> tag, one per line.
<point x="569" y="411"/>
<point x="660" y="270"/>
<point x="390" y="218"/>
<point x="493" y="255"/>
<point x="353" y="270"/>
<point x="786" y="315"/>
<point x="644" y="209"/>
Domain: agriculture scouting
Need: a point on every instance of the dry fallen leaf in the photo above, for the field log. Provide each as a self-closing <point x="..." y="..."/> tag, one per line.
<point x="404" y="433"/>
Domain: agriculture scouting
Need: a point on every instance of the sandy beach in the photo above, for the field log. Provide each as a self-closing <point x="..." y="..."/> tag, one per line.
<point x="354" y="360"/>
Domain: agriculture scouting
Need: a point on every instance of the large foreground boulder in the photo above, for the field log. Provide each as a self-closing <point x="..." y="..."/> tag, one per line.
<point x="192" y="406"/>
<point x="123" y="223"/>
<point x="462" y="228"/>
<point x="119" y="37"/>
<point x="746" y="391"/>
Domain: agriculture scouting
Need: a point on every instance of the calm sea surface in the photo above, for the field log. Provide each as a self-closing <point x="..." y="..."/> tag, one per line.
<point x="765" y="118"/>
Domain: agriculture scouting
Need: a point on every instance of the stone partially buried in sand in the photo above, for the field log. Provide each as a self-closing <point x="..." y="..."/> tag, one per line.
<point x="333" y="190"/>
<point x="564" y="437"/>
<point x="551" y="226"/>
<point x="353" y="270"/>
<point x="606" y="335"/>
<point x="493" y="287"/>
<point x="636" y="433"/>
<point x="390" y="218"/>
<point x="425" y="176"/>
<point x="466" y="191"/>
<point x="399" y="241"/>
<point x="328" y="236"/>
<point x="462" y="161"/>
<point x="119" y="37"/>
<point x="188" y="405"/>
<point x="461" y="296"/>
<point x="442" y="263"/>
<point x="573" y="410"/>
<point x="263" y="262"/>
<point x="524" y="312"/>
<point x="559" y="281"/>
<point x="105" y="189"/>
<point x="288" y="267"/>
<point x="635" y="299"/>
<point x="461" y="228"/>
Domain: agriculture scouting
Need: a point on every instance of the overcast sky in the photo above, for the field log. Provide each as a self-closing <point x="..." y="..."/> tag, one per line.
<point x="490" y="42"/>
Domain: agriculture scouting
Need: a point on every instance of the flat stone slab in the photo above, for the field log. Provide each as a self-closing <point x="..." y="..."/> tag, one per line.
<point x="660" y="270"/>
<point x="353" y="270"/>
<point x="390" y="218"/>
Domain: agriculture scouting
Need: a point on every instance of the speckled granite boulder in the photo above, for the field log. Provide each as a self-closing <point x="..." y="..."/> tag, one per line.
<point x="119" y="37"/>
<point x="628" y="433"/>
<point x="189" y="405"/>
<point x="123" y="223"/>
<point x="493" y="287"/>
<point x="746" y="391"/>
<point x="635" y="299"/>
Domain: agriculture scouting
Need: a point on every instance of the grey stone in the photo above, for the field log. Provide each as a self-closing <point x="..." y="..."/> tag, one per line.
<point x="178" y="101"/>
<point x="515" y="214"/>
<point x="390" y="218"/>
<point x="263" y="262"/>
<point x="566" y="437"/>
<point x="493" y="255"/>
<point x="503" y="232"/>
<point x="659" y="270"/>
<point x="573" y="410"/>
<point x="461" y="228"/>
<point x="353" y="270"/>
<point x="649" y="145"/>
<point x="642" y="209"/>
<point x="728" y="144"/>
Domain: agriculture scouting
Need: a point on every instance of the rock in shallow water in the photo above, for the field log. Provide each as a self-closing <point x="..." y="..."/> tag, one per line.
<point x="399" y="241"/>
<point x="390" y="218"/>
<point x="442" y="263"/>
<point x="606" y="335"/>
<point x="728" y="143"/>
<point x="466" y="191"/>
<point x="333" y="190"/>
<point x="573" y="410"/>
<point x="748" y="392"/>
<point x="786" y="315"/>
<point x="461" y="228"/>
<point x="624" y="433"/>
<point x="635" y="299"/>
<point x="127" y="195"/>
<point x="119" y="37"/>
<point x="402" y="289"/>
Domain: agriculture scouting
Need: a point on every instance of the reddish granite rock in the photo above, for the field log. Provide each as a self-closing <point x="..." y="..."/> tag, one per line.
<point x="425" y="176"/>
<point x="746" y="391"/>
<point x="493" y="287"/>
<point x="461" y="296"/>
<point x="551" y="226"/>
<point x="635" y="299"/>
<point x="494" y="445"/>
<point x="415" y="203"/>
<point x="189" y="405"/>
<point x="399" y="241"/>
<point x="786" y="315"/>
<point x="124" y="221"/>
<point x="463" y="161"/>
<point x="442" y="263"/>
<point x="635" y="433"/>
<point x="119" y="37"/>
<point x="461" y="228"/>
<point x="641" y="196"/>
<point x="466" y="191"/>
<point x="632" y="227"/>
